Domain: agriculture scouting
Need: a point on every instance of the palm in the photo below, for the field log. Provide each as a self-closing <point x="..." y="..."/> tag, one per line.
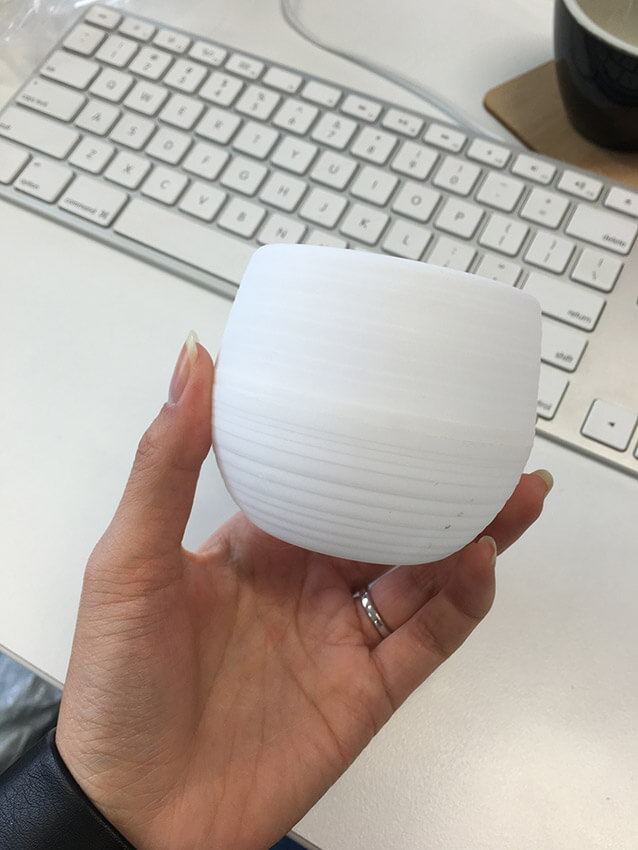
<point x="279" y="682"/>
<point x="275" y="678"/>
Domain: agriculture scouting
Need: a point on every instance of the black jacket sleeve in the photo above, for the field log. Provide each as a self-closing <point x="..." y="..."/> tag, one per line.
<point x="43" y="808"/>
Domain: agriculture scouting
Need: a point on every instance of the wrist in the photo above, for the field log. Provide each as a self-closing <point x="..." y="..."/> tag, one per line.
<point x="42" y="806"/>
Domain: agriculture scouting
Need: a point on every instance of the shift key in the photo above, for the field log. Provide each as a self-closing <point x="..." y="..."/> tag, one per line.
<point x="568" y="302"/>
<point x="35" y="131"/>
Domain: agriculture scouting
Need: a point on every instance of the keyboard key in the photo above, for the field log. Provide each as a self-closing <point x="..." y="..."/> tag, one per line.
<point x="209" y="54"/>
<point x="90" y="199"/>
<point x="168" y="145"/>
<point x="294" y="155"/>
<point x="373" y="185"/>
<point x="132" y="130"/>
<point x="607" y="230"/>
<point x="597" y="269"/>
<point x="138" y="29"/>
<point x="202" y="200"/>
<point x="151" y="63"/>
<point x="543" y="207"/>
<point x="452" y="254"/>
<point x="549" y="252"/>
<point x="283" y="191"/>
<point x="117" y="51"/>
<point x="561" y="346"/>
<point x="361" y="107"/>
<point x="565" y="301"/>
<point x="75" y="71"/>
<point x="196" y="244"/>
<point x="333" y="169"/>
<point x="321" y="93"/>
<point x="457" y="175"/>
<point x="334" y="130"/>
<point x="445" y="137"/>
<point x="402" y="122"/>
<point x="185" y="75"/>
<point x="256" y="140"/>
<point x="364" y="223"/>
<point x="374" y="145"/>
<point x="406" y="240"/>
<point x="533" y="169"/>
<point x="242" y="217"/>
<point x="295" y="116"/>
<point x="491" y="154"/>
<point x="51" y="99"/>
<point x="580" y="185"/>
<point x="245" y="66"/>
<point x="164" y="185"/>
<point x="168" y="39"/>
<point x="416" y="201"/>
<point x="622" y="200"/>
<point x="459" y="218"/>
<point x="609" y="424"/>
<point x="12" y="161"/>
<point x="244" y="175"/>
<point x="323" y="207"/>
<point x="205" y="160"/>
<point x="103" y="17"/>
<point x="218" y="125"/>
<point x="36" y="131"/>
<point x="98" y="117"/>
<point x="91" y="155"/>
<point x="182" y="111"/>
<point x="504" y="235"/>
<point x="258" y="102"/>
<point x="496" y="268"/>
<point x="286" y="81"/>
<point x="127" y="169"/>
<point x="414" y="160"/>
<point x="44" y="179"/>
<point x="325" y="240"/>
<point x="112" y="85"/>
<point x="500" y="191"/>
<point x="551" y="389"/>
<point x="221" y="88"/>
<point x="84" y="39"/>
<point x="280" y="230"/>
<point x="146" y="98"/>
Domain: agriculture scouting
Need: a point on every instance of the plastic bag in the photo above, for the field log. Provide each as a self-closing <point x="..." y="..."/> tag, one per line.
<point x="30" y="28"/>
<point x="28" y="708"/>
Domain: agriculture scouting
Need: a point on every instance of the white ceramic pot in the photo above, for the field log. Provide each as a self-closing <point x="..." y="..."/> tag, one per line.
<point x="371" y="407"/>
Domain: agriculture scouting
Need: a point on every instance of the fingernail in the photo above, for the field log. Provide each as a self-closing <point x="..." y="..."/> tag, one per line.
<point x="183" y="367"/>
<point x="487" y="539"/>
<point x="547" y="477"/>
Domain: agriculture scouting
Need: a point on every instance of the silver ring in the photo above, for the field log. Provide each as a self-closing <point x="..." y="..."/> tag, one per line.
<point x="368" y="606"/>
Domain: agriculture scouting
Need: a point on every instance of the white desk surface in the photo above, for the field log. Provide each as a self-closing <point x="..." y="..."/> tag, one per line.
<point x="527" y="737"/>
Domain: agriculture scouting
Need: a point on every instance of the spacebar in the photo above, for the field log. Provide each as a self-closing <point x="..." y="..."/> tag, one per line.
<point x="192" y="243"/>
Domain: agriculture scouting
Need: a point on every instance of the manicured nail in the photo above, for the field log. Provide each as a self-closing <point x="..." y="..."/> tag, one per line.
<point x="547" y="478"/>
<point x="487" y="539"/>
<point x="183" y="367"/>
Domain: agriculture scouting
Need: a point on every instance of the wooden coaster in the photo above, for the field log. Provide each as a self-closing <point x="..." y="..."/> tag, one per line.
<point x="530" y="107"/>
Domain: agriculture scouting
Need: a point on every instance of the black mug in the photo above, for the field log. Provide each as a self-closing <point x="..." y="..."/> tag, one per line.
<point x="596" y="51"/>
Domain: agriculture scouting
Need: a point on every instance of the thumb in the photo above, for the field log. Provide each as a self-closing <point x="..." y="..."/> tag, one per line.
<point x="151" y="518"/>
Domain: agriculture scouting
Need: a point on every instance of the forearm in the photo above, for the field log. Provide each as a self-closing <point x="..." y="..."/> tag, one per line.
<point x="43" y="808"/>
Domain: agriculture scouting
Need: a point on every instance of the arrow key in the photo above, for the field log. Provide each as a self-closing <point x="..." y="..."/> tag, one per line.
<point x="609" y="424"/>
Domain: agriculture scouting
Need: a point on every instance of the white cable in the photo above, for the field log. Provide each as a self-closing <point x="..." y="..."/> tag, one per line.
<point x="457" y="115"/>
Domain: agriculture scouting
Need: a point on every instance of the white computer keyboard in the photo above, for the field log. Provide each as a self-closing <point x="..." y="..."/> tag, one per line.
<point x="190" y="154"/>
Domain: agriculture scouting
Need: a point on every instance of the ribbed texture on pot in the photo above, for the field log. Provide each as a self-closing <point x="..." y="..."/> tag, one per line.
<point x="374" y="408"/>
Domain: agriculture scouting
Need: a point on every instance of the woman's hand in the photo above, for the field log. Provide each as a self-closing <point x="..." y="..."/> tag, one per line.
<point x="213" y="696"/>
